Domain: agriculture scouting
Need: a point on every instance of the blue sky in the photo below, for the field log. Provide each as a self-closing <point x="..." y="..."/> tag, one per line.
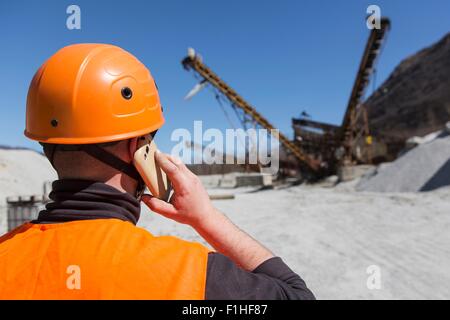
<point x="282" y="56"/>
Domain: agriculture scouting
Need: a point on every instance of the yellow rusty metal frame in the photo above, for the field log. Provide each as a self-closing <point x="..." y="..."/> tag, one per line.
<point x="371" y="53"/>
<point x="238" y="101"/>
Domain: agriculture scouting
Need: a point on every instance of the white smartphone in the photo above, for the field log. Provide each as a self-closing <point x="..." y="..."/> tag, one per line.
<point x="155" y="179"/>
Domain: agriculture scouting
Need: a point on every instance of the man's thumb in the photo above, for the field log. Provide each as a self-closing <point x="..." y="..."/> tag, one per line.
<point x="159" y="206"/>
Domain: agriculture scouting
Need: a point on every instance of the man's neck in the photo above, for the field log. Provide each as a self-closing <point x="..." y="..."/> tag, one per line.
<point x="119" y="181"/>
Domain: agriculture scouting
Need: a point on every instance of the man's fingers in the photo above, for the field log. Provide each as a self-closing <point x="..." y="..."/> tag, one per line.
<point x="165" y="163"/>
<point x="159" y="206"/>
<point x="175" y="174"/>
<point x="177" y="161"/>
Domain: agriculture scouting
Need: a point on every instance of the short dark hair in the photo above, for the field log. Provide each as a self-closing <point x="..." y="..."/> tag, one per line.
<point x="51" y="148"/>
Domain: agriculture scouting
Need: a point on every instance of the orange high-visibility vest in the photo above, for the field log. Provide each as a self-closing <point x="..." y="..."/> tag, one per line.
<point x="99" y="259"/>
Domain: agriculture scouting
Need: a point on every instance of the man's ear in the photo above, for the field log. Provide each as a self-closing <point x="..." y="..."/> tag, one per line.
<point x="132" y="147"/>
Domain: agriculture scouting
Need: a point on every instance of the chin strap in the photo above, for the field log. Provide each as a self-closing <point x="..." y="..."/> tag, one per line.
<point x="111" y="160"/>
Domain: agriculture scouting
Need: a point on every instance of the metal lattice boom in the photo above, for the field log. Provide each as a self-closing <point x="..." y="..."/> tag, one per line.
<point x="366" y="68"/>
<point x="193" y="62"/>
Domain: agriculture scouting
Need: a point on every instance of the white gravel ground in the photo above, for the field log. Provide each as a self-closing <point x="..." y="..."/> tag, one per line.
<point x="424" y="168"/>
<point x="330" y="236"/>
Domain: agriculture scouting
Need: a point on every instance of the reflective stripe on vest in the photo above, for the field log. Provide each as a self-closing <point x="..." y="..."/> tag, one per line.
<point x="99" y="259"/>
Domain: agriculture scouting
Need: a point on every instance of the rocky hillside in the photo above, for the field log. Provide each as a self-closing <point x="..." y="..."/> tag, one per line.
<point x="415" y="99"/>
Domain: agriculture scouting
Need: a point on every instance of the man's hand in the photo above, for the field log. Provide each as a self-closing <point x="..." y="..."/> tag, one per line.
<point x="190" y="204"/>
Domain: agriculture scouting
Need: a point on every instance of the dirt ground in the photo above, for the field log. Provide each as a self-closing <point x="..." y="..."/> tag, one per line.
<point x="330" y="236"/>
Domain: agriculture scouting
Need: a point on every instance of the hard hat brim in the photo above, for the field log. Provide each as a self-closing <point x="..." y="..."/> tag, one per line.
<point x="91" y="140"/>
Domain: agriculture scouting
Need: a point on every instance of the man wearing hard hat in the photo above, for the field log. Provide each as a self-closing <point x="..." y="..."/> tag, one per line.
<point x="89" y="106"/>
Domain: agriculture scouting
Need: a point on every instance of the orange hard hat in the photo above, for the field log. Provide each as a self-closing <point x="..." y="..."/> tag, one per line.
<point x="92" y="93"/>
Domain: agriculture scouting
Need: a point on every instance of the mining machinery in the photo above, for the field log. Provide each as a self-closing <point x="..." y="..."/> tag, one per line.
<point x="339" y="145"/>
<point x="356" y="113"/>
<point x="194" y="62"/>
<point x="318" y="147"/>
